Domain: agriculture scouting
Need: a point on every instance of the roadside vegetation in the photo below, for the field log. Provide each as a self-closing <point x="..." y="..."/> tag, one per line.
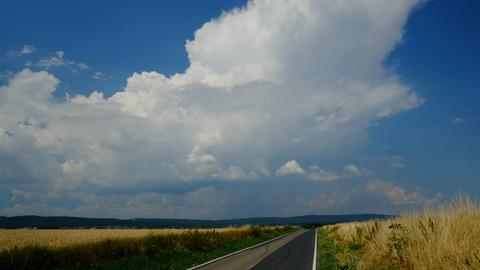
<point x="175" y="250"/>
<point x="447" y="237"/>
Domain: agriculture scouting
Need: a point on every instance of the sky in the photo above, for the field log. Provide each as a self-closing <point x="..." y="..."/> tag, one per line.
<point x="228" y="109"/>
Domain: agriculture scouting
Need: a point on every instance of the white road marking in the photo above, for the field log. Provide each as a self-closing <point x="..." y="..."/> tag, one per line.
<point x="314" y="265"/>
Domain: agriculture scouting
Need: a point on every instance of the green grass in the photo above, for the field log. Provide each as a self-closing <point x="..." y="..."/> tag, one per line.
<point x="334" y="254"/>
<point x="173" y="251"/>
<point x="327" y="251"/>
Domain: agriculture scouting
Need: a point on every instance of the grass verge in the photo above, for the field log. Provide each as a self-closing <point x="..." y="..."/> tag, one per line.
<point x="171" y="251"/>
<point x="335" y="254"/>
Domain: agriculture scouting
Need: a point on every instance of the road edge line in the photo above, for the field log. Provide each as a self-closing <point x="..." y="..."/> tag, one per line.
<point x="238" y="251"/>
<point x="314" y="265"/>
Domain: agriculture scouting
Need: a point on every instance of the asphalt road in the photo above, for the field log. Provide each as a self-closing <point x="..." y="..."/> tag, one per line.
<point x="296" y="254"/>
<point x="294" y="251"/>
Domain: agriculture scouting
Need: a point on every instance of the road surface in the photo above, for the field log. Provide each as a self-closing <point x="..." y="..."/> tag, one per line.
<point x="294" y="251"/>
<point x="296" y="254"/>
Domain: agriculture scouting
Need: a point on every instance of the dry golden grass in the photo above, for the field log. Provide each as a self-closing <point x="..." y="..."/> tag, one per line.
<point x="444" y="238"/>
<point x="65" y="237"/>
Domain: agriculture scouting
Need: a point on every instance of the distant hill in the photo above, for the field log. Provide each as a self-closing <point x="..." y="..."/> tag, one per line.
<point x="78" y="222"/>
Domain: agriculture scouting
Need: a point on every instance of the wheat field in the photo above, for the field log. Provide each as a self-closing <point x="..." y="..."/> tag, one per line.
<point x="56" y="238"/>
<point x="126" y="248"/>
<point x="447" y="237"/>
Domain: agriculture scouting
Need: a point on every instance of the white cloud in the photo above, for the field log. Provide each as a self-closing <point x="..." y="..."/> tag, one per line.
<point x="398" y="195"/>
<point x="318" y="174"/>
<point x="99" y="76"/>
<point x="81" y="66"/>
<point x="365" y="196"/>
<point x="237" y="173"/>
<point x="26" y="49"/>
<point x="73" y="166"/>
<point x="279" y="38"/>
<point x="58" y="61"/>
<point x="33" y="88"/>
<point x="204" y="165"/>
<point x="267" y="82"/>
<point x="394" y="162"/>
<point x="351" y="169"/>
<point x="457" y="121"/>
<point x="290" y="168"/>
<point x="94" y="98"/>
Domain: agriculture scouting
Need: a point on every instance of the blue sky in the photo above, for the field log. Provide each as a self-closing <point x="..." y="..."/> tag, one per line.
<point x="113" y="37"/>
<point x="439" y="59"/>
<point x="276" y="109"/>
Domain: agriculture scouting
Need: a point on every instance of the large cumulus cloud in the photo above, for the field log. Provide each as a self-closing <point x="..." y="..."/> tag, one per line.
<point x="272" y="82"/>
